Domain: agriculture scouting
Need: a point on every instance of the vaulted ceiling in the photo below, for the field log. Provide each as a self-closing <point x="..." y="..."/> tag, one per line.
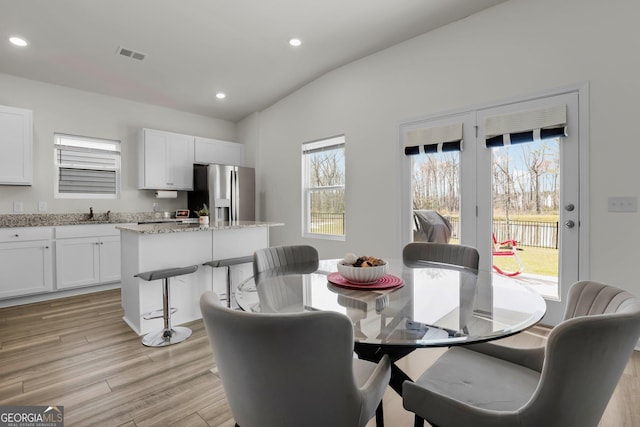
<point x="195" y="48"/>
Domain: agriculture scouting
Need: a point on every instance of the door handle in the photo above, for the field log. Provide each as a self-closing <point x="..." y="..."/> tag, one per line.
<point x="569" y="224"/>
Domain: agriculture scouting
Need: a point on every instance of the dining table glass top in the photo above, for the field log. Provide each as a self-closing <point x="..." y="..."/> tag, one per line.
<point x="436" y="305"/>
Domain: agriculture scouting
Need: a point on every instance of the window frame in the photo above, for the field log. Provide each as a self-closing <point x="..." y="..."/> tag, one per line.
<point x="330" y="143"/>
<point x="86" y="144"/>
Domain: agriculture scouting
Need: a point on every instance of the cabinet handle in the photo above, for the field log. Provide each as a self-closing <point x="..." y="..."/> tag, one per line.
<point x="16" y="235"/>
<point x="169" y="183"/>
<point x="46" y="247"/>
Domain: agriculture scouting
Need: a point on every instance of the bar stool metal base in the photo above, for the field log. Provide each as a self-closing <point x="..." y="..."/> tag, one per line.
<point x="169" y="334"/>
<point x="166" y="337"/>
<point x="229" y="262"/>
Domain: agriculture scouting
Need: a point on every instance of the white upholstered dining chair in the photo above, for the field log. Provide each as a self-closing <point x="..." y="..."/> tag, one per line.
<point x="297" y="369"/>
<point x="567" y="383"/>
<point x="460" y="255"/>
<point x="295" y="258"/>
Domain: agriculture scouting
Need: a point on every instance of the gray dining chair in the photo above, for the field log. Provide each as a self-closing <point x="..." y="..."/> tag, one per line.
<point x="460" y="255"/>
<point x="294" y="258"/>
<point x="568" y="382"/>
<point x="295" y="369"/>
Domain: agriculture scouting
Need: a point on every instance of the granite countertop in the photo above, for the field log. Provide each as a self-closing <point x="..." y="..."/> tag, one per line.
<point x="53" y="220"/>
<point x="160" y="228"/>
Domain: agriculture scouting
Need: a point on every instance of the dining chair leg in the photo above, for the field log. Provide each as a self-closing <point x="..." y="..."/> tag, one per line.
<point x="418" y="422"/>
<point x="379" y="416"/>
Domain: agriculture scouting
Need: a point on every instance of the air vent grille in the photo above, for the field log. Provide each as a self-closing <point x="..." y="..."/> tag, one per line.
<point x="130" y="53"/>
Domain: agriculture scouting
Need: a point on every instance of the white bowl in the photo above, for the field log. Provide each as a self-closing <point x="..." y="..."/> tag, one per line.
<point x="362" y="274"/>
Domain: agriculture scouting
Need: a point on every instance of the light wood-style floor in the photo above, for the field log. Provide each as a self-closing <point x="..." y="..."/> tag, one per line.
<point x="77" y="352"/>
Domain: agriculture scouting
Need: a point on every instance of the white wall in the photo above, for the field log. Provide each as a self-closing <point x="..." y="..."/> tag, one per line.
<point x="60" y="109"/>
<point x="517" y="48"/>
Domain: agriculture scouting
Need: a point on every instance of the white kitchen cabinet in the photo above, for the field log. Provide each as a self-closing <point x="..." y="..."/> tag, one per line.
<point x="87" y="255"/>
<point x="110" y="259"/>
<point x="26" y="261"/>
<point x="209" y="150"/>
<point x="16" y="146"/>
<point x="165" y="160"/>
<point x="77" y="262"/>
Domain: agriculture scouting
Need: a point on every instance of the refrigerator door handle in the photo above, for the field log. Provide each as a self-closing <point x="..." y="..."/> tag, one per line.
<point x="233" y="209"/>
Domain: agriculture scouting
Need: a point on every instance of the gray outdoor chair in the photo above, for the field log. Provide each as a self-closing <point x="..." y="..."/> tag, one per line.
<point x="296" y="258"/>
<point x="430" y="226"/>
<point x="567" y="383"/>
<point x="463" y="256"/>
<point x="295" y="369"/>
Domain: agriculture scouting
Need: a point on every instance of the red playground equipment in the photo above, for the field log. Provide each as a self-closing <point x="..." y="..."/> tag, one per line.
<point x="506" y="248"/>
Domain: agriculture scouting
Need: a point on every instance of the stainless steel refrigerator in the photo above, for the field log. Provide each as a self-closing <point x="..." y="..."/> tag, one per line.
<point x="228" y="191"/>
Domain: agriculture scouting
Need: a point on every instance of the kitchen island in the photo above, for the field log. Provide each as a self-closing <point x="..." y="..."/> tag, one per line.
<point x="147" y="247"/>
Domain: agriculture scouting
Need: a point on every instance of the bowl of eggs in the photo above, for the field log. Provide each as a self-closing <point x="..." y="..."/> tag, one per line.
<point x="363" y="269"/>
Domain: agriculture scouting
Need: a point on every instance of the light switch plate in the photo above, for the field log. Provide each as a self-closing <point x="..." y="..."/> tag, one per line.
<point x="623" y="204"/>
<point x="18" y="207"/>
<point x="42" y="206"/>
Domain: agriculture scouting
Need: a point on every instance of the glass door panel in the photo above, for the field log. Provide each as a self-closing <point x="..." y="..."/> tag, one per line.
<point x="439" y="207"/>
<point x="436" y="197"/>
<point x="526" y="201"/>
<point x="530" y="193"/>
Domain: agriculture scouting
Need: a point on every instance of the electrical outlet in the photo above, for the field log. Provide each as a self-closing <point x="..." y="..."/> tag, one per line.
<point x="623" y="204"/>
<point x="42" y="206"/>
<point x="18" y="207"/>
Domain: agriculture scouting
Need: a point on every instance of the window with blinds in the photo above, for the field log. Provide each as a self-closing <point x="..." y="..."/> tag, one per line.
<point x="86" y="167"/>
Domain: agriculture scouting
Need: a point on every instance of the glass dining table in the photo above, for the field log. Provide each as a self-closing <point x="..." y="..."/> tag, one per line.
<point x="425" y="305"/>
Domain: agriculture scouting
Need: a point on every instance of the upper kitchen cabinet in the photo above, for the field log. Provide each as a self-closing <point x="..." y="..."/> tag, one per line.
<point x="16" y="146"/>
<point x="166" y="161"/>
<point x="209" y="150"/>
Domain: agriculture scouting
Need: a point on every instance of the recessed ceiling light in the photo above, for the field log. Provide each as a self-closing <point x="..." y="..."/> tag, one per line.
<point x="221" y="95"/>
<point x="295" y="42"/>
<point x="18" y="41"/>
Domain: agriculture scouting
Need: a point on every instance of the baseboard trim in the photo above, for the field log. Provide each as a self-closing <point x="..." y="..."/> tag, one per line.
<point x="57" y="294"/>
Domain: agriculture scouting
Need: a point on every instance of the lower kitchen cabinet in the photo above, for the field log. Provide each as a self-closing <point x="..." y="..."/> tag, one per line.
<point x="89" y="260"/>
<point x="26" y="261"/>
<point x="110" y="259"/>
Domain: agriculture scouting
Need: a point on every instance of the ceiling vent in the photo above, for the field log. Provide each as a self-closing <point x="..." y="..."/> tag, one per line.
<point x="130" y="53"/>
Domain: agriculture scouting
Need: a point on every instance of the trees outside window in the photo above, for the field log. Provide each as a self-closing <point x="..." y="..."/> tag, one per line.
<point x="323" y="167"/>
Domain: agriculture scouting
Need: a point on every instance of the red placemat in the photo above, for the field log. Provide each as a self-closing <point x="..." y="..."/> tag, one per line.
<point x="387" y="281"/>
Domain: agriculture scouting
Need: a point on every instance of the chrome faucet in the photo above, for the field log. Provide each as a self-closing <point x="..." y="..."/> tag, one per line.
<point x="90" y="213"/>
<point x="107" y="215"/>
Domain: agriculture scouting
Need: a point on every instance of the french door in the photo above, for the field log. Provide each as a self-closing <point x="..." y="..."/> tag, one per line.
<point x="517" y="200"/>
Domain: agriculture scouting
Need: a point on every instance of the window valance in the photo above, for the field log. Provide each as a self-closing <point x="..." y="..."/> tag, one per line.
<point x="526" y="126"/>
<point x="434" y="140"/>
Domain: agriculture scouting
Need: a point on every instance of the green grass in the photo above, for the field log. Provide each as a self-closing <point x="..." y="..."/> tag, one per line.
<point x="333" y="227"/>
<point x="541" y="261"/>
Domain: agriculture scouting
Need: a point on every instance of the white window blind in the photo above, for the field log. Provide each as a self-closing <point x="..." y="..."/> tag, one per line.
<point x="86" y="167"/>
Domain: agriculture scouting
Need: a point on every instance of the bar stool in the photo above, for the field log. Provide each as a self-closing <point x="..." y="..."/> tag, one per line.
<point x="229" y="262"/>
<point x="168" y="335"/>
